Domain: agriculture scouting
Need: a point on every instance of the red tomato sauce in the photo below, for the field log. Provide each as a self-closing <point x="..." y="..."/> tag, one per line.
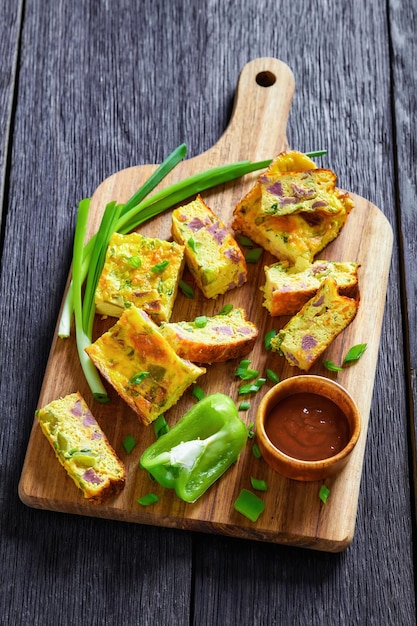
<point x="308" y="427"/>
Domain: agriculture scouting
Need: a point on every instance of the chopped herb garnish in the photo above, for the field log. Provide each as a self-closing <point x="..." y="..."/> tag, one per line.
<point x="316" y="153"/>
<point x="244" y="406"/>
<point x="135" y="261"/>
<point x="250" y="429"/>
<point x="226" y="309"/>
<point x="256" y="451"/>
<point x="150" y="498"/>
<point x="129" y="443"/>
<point x="244" y="372"/>
<point x="253" y="256"/>
<point x="252" y="387"/>
<point x="270" y="374"/>
<point x="160" y="267"/>
<point x="160" y="426"/>
<point x="330" y="365"/>
<point x="269" y="335"/>
<point x="201" y="321"/>
<point x="249" y="505"/>
<point x="198" y="392"/>
<point x="244" y="241"/>
<point x="137" y="378"/>
<point x="355" y="353"/>
<point x="324" y="493"/>
<point x="193" y="245"/>
<point x="258" y="484"/>
<point x="186" y="289"/>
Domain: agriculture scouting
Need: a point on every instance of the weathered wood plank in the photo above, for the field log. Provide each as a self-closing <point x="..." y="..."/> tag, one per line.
<point x="108" y="85"/>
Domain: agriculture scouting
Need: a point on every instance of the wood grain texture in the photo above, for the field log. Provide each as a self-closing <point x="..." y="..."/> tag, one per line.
<point x="263" y="98"/>
<point x="104" y="86"/>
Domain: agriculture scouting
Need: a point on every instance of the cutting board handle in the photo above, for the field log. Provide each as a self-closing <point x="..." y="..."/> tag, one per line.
<point x="262" y="103"/>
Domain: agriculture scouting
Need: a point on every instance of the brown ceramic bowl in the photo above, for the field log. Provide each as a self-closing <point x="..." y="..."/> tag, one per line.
<point x="288" y="465"/>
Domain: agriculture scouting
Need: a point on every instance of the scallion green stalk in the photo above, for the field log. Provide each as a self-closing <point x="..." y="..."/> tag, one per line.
<point x="82" y="340"/>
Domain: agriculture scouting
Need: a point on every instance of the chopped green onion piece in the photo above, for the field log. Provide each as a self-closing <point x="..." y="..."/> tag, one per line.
<point x="270" y="374"/>
<point x="324" y="493"/>
<point x="330" y="365"/>
<point x="256" y="451"/>
<point x="226" y="309"/>
<point x="129" y="443"/>
<point x="160" y="426"/>
<point x="244" y="372"/>
<point x="138" y="378"/>
<point x="198" y="392"/>
<point x="269" y="335"/>
<point x="201" y="321"/>
<point x="160" y="267"/>
<point x="191" y="242"/>
<point x="258" y="484"/>
<point x="253" y="256"/>
<point x="244" y="406"/>
<point x="249" y="505"/>
<point x="251" y="388"/>
<point x="250" y="429"/>
<point x="355" y="353"/>
<point x="244" y="241"/>
<point x="135" y="261"/>
<point x="186" y="289"/>
<point x="150" y="498"/>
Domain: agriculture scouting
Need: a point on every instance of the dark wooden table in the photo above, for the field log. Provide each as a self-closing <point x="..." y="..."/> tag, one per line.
<point x="90" y="87"/>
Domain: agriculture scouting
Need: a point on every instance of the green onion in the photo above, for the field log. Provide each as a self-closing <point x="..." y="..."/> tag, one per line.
<point x="250" y="429"/>
<point x="270" y="374"/>
<point x="249" y="505"/>
<point x="226" y="309"/>
<point x="324" y="493"/>
<point x="160" y="426"/>
<point x="244" y="241"/>
<point x="191" y="242"/>
<point x="150" y="498"/>
<point x="160" y="267"/>
<point x="135" y="261"/>
<point x="129" y="443"/>
<point x="317" y="153"/>
<point x="269" y="335"/>
<point x="244" y="406"/>
<point x="330" y="365"/>
<point x="253" y="256"/>
<point x="186" y="289"/>
<point x="355" y="353"/>
<point x="198" y="392"/>
<point x="82" y="339"/>
<point x="258" y="484"/>
<point x="137" y="378"/>
<point x="201" y="321"/>
<point x="251" y="388"/>
<point x="256" y="451"/>
<point x="244" y="372"/>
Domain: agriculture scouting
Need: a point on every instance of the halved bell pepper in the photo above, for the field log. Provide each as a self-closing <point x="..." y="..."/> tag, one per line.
<point x="198" y="449"/>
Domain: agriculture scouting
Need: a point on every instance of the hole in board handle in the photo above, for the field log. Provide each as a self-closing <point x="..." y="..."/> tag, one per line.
<point x="265" y="79"/>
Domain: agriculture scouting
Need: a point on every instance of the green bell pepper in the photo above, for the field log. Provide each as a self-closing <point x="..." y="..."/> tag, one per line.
<point x="198" y="449"/>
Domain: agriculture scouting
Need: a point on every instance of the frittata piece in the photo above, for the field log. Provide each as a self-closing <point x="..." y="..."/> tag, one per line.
<point x="81" y="447"/>
<point x="293" y="213"/>
<point x="141" y="365"/>
<point x="310" y="332"/>
<point x="212" y="254"/>
<point x="141" y="271"/>
<point x="287" y="288"/>
<point x="212" y="339"/>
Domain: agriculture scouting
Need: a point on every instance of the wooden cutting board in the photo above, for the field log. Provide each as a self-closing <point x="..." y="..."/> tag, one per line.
<point x="294" y="514"/>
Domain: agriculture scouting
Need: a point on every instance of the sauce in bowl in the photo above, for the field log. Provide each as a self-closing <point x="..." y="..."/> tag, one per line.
<point x="308" y="427"/>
